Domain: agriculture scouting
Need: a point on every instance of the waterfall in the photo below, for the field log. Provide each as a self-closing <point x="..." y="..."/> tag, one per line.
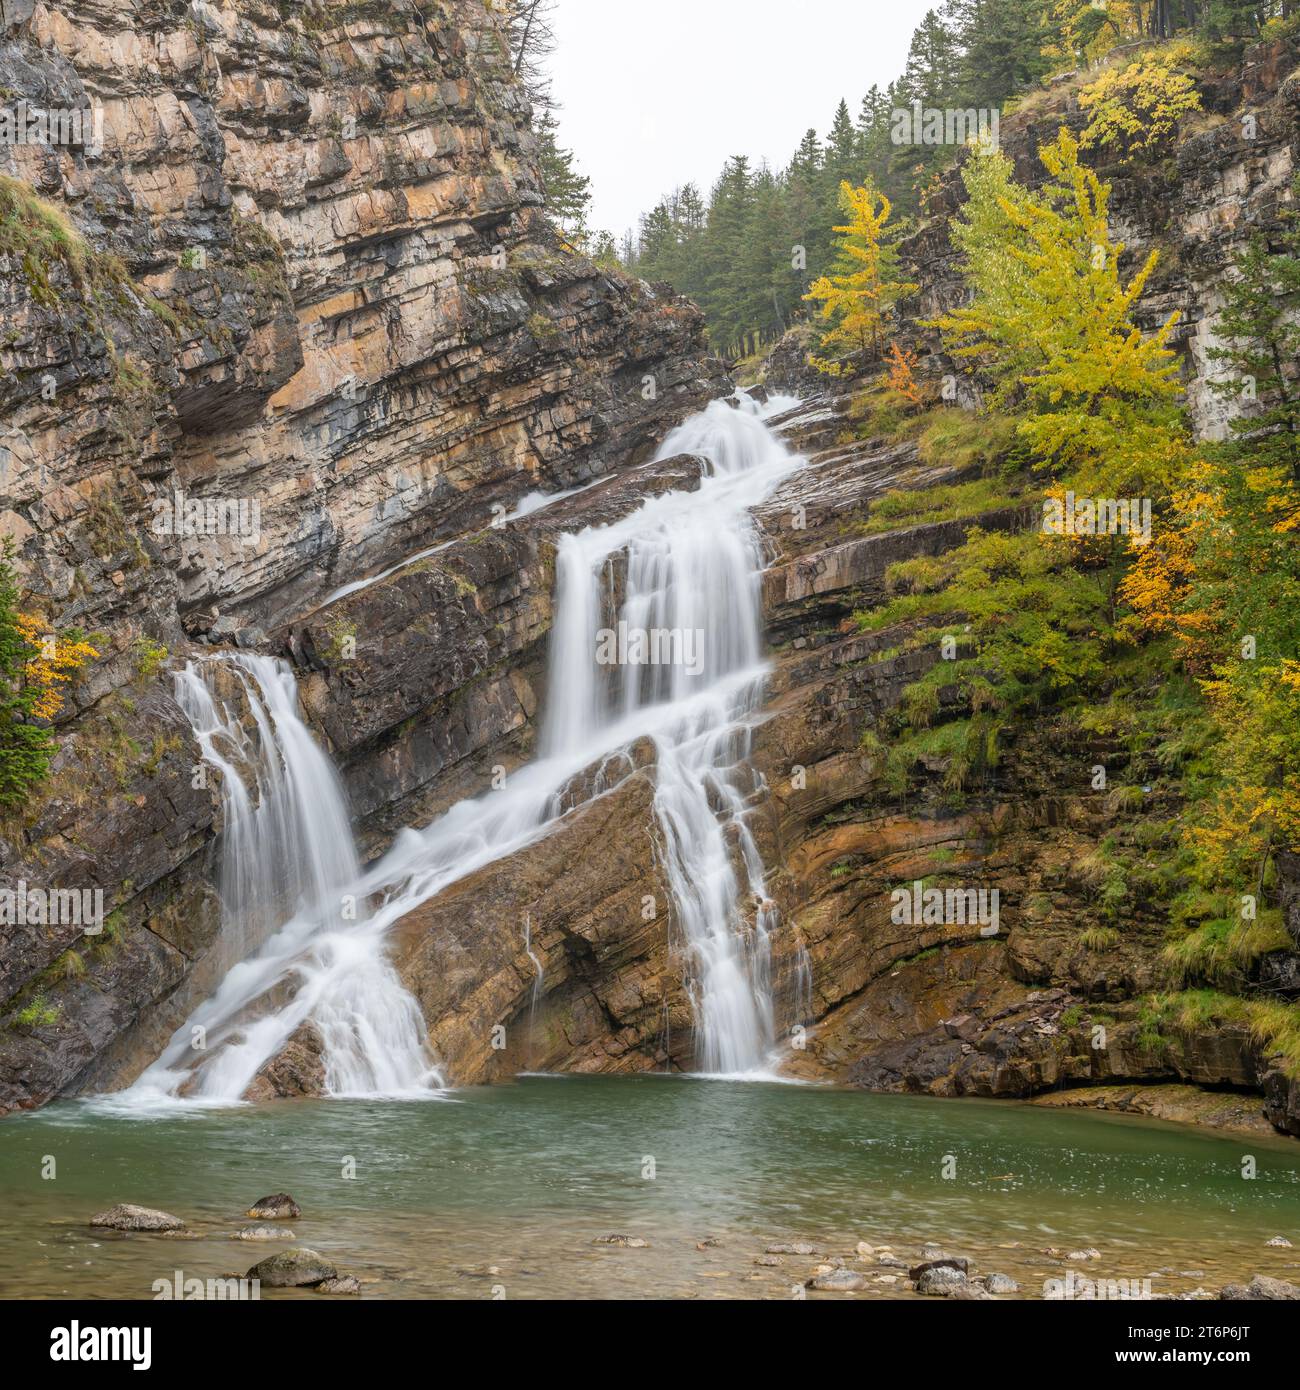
<point x="287" y="852"/>
<point x="657" y="633"/>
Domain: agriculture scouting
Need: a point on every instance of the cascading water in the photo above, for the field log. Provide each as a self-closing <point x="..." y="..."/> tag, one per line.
<point x="287" y="852"/>
<point x="680" y="575"/>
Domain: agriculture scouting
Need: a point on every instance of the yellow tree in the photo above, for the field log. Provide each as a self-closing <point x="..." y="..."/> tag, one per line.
<point x="860" y="290"/>
<point x="1053" y="321"/>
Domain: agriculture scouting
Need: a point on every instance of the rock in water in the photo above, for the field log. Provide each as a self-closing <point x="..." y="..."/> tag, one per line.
<point x="278" y="1207"/>
<point x="1262" y="1288"/>
<point x="125" y="1217"/>
<point x="1280" y="1241"/>
<point x="838" y="1280"/>
<point x="958" y="1262"/>
<point x="263" y="1233"/>
<point x="345" y="1283"/>
<point x="941" y="1281"/>
<point x="290" y="1269"/>
<point x="626" y="1242"/>
<point x="798" y="1247"/>
<point x="1001" y="1283"/>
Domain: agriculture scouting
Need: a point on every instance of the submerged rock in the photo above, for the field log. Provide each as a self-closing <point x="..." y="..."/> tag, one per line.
<point x="126" y="1217"/>
<point x="288" y="1269"/>
<point x="837" y="1281"/>
<point x="797" y="1247"/>
<point x="278" y="1207"/>
<point x="263" y="1233"/>
<point x="624" y="1242"/>
<point x="1281" y="1241"/>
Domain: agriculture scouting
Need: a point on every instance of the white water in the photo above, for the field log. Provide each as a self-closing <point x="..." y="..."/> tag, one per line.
<point x="685" y="561"/>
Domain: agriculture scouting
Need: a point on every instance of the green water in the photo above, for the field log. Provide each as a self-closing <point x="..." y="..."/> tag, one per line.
<point x="501" y="1191"/>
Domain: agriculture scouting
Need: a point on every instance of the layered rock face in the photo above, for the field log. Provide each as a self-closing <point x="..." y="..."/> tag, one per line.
<point x="299" y="317"/>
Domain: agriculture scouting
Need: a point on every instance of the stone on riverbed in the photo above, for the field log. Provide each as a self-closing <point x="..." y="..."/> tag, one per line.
<point x="797" y="1247"/>
<point x="345" y="1283"/>
<point x="1281" y="1241"/>
<point x="1262" y="1288"/>
<point x="837" y="1281"/>
<point x="1000" y="1283"/>
<point x="623" y="1242"/>
<point x="290" y="1269"/>
<point x="278" y="1207"/>
<point x="941" y="1280"/>
<point x="958" y="1262"/>
<point x="263" y="1233"/>
<point x="126" y="1217"/>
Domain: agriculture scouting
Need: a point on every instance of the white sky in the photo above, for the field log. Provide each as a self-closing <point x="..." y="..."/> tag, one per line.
<point x="654" y="93"/>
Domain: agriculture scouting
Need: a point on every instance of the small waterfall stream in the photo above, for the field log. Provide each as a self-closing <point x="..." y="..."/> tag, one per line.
<point x="683" y="573"/>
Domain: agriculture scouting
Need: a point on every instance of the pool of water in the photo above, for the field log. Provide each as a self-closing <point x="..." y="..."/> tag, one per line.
<point x="501" y="1191"/>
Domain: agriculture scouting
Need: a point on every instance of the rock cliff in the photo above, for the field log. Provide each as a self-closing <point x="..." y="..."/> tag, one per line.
<point x="300" y="316"/>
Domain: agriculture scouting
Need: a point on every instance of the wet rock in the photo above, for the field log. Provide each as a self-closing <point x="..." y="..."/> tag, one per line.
<point x="708" y="1243"/>
<point x="289" y="1269"/>
<point x="796" y="1247"/>
<point x="768" y="1261"/>
<point x="278" y="1207"/>
<point x="297" y="1070"/>
<point x="344" y="1283"/>
<point x="263" y="1233"/>
<point x="940" y="1281"/>
<point x="1000" y="1283"/>
<point x="623" y="1242"/>
<point x="1087" y="1254"/>
<point x="958" y="1262"/>
<point x="1280" y="1241"/>
<point x="127" y="1217"/>
<point x="1262" y="1289"/>
<point x="837" y="1281"/>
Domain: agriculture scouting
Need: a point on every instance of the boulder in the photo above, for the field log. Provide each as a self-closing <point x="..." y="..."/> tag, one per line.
<point x="941" y="1281"/>
<point x="288" y="1269"/>
<point x="278" y="1207"/>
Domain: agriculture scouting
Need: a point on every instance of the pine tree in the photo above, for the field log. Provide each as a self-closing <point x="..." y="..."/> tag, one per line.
<point x="568" y="193"/>
<point x="858" y="295"/>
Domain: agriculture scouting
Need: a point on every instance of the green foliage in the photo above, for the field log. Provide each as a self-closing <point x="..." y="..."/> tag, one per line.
<point x="26" y="746"/>
<point x="38" y="1013"/>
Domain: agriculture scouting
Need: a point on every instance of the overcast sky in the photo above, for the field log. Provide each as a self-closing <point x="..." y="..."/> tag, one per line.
<point x="661" y="92"/>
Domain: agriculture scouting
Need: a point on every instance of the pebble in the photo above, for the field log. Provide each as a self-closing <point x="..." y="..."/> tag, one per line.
<point x="1280" y="1241"/>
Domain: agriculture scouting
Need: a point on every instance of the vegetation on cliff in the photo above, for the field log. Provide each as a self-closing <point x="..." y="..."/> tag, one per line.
<point x="749" y="249"/>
